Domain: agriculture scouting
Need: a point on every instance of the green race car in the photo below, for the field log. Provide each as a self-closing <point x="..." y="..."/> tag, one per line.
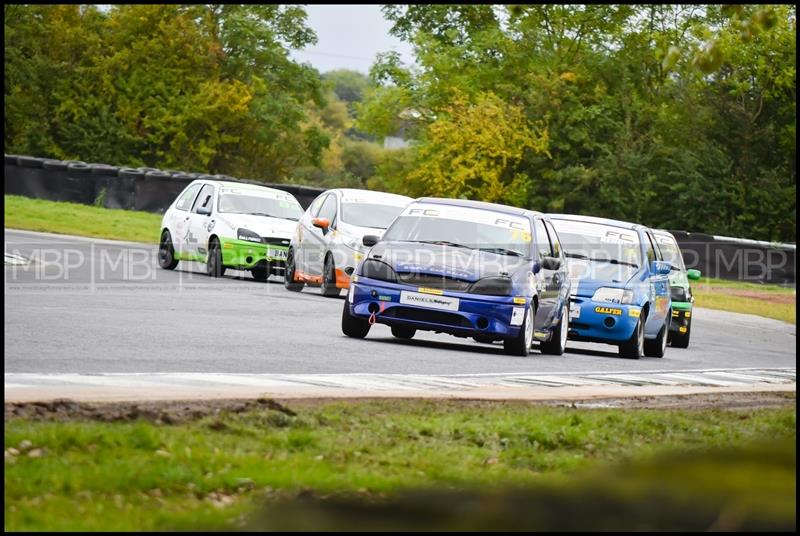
<point x="680" y="328"/>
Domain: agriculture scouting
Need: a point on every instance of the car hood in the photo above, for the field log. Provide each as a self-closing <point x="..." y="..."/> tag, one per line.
<point x="358" y="231"/>
<point x="588" y="276"/>
<point x="447" y="261"/>
<point x="261" y="225"/>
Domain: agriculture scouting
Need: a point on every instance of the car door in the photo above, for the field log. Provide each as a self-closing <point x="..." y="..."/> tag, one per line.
<point x="659" y="288"/>
<point x="561" y="276"/>
<point x="304" y="230"/>
<point x="547" y="287"/>
<point x="318" y="238"/>
<point x="181" y="216"/>
<point x="197" y="238"/>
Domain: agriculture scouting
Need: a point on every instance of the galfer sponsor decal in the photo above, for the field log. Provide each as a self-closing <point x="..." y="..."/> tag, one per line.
<point x="608" y="311"/>
<point x="635" y="313"/>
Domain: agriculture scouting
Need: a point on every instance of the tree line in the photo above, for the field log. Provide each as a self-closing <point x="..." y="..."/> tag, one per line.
<point x="676" y="116"/>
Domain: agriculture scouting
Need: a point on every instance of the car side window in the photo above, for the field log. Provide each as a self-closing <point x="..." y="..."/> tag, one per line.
<point x="651" y="251"/>
<point x="542" y="240"/>
<point x="185" y="201"/>
<point x="553" y="239"/>
<point x="656" y="247"/>
<point x="313" y="210"/>
<point x="328" y="210"/>
<point x="204" y="199"/>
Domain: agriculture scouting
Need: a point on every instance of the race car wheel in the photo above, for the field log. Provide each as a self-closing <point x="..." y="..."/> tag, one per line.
<point x="521" y="344"/>
<point x="353" y="326"/>
<point x="658" y="346"/>
<point x="166" y="253"/>
<point x="260" y="274"/>
<point x="214" y="266"/>
<point x="403" y="332"/>
<point x="633" y="348"/>
<point x="558" y="340"/>
<point x="288" y="274"/>
<point x="681" y="340"/>
<point x="329" y="288"/>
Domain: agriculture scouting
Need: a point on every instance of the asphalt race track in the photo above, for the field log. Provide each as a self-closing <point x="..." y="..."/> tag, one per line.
<point x="87" y="306"/>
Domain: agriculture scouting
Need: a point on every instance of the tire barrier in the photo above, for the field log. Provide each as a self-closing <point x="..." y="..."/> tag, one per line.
<point x="145" y="188"/>
<point x="724" y="257"/>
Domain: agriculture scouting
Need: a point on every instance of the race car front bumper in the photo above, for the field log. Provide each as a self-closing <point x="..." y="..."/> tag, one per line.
<point x="681" y="317"/>
<point x="246" y="255"/>
<point x="457" y="313"/>
<point x="596" y="321"/>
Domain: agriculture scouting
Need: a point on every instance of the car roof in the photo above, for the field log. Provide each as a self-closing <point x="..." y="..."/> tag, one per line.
<point x="664" y="232"/>
<point x="372" y="195"/>
<point x="504" y="209"/>
<point x="243" y="186"/>
<point x="601" y="221"/>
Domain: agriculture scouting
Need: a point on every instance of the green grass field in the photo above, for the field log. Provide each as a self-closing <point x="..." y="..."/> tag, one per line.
<point x="84" y="475"/>
<point x="82" y="220"/>
<point x="770" y="301"/>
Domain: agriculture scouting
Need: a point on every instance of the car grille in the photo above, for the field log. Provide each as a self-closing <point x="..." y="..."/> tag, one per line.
<point x="433" y="281"/>
<point x="275" y="241"/>
<point x="426" y="315"/>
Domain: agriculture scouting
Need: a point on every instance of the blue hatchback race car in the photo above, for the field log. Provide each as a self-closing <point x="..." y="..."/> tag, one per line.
<point x="465" y="268"/>
<point x="620" y="284"/>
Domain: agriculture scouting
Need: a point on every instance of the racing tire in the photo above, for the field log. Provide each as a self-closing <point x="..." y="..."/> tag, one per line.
<point x="329" y="288"/>
<point x="288" y="274"/>
<point x="353" y="326"/>
<point x="403" y="332"/>
<point x="214" y="266"/>
<point x="558" y="340"/>
<point x="166" y="253"/>
<point x="633" y="348"/>
<point x="658" y="346"/>
<point x="681" y="340"/>
<point x="260" y="274"/>
<point x="521" y="344"/>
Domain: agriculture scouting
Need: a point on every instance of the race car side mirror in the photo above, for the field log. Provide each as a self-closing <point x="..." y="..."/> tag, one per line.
<point x="322" y="223"/>
<point x="661" y="267"/>
<point x="370" y="240"/>
<point x="205" y="211"/>
<point x="551" y="263"/>
<point x="693" y="274"/>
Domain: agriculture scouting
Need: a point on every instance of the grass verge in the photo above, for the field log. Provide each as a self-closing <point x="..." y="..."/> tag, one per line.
<point x="82" y="220"/>
<point x="770" y="301"/>
<point x="209" y="472"/>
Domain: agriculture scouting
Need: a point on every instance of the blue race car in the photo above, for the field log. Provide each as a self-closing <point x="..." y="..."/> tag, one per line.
<point x="620" y="284"/>
<point x="466" y="268"/>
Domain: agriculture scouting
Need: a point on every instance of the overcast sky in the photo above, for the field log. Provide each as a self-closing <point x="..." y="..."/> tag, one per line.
<point x="349" y="37"/>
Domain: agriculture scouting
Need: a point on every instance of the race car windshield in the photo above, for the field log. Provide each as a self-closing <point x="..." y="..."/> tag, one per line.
<point x="260" y="206"/>
<point x="599" y="243"/>
<point x="671" y="252"/>
<point x="369" y="214"/>
<point x="459" y="233"/>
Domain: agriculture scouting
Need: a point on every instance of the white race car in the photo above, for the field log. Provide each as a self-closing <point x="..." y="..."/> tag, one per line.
<point x="326" y="246"/>
<point x="229" y="225"/>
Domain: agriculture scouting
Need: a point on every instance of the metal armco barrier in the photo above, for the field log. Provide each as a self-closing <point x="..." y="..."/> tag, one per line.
<point x="154" y="190"/>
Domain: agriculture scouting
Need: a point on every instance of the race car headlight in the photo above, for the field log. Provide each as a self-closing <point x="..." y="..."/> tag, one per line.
<point x="378" y="270"/>
<point x="678" y="294"/>
<point x="247" y="234"/>
<point x="354" y="242"/>
<point x="492" y="286"/>
<point x="613" y="295"/>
